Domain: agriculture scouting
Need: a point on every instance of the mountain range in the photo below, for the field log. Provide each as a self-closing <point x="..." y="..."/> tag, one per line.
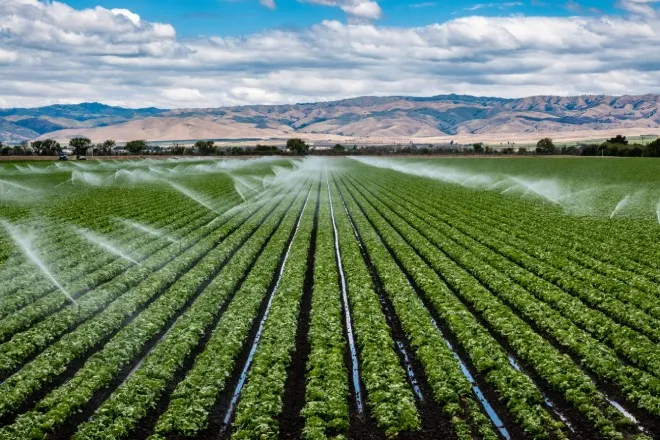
<point x="365" y="119"/>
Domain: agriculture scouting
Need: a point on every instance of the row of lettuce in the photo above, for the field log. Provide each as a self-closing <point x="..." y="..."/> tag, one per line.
<point x="613" y="351"/>
<point x="512" y="293"/>
<point x="114" y="311"/>
<point x="80" y="265"/>
<point x="181" y="319"/>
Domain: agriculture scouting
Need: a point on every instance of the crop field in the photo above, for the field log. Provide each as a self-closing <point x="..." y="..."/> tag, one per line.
<point x="365" y="298"/>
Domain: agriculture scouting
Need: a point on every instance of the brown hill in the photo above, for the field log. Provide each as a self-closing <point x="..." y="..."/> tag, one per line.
<point x="387" y="119"/>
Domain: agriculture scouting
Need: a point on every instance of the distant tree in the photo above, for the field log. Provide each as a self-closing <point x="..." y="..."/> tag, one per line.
<point x="105" y="148"/>
<point x="297" y="146"/>
<point x="545" y="146"/>
<point x="178" y="149"/>
<point x="478" y="147"/>
<point x="618" y="140"/>
<point x="136" y="147"/>
<point x="205" y="147"/>
<point x="50" y="147"/>
<point x="80" y="145"/>
<point x="522" y="150"/>
<point x="653" y="149"/>
<point x="37" y="146"/>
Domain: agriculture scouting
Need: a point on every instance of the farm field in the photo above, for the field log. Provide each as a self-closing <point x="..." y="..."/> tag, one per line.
<point x="359" y="298"/>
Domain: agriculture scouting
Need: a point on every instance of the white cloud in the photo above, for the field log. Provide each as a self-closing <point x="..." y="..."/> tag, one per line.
<point x="361" y="9"/>
<point x="270" y="4"/>
<point x="422" y="4"/>
<point x="117" y="57"/>
<point x="641" y="7"/>
<point x="507" y="5"/>
<point x="255" y="95"/>
<point x="133" y="17"/>
<point x="183" y="95"/>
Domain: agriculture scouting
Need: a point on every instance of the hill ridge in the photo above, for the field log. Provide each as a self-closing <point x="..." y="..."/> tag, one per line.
<point x="388" y="118"/>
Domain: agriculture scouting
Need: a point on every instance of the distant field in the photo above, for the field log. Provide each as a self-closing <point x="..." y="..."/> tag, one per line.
<point x="360" y="298"/>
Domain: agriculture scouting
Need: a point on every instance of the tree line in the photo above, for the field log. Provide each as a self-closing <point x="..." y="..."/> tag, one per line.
<point x="616" y="146"/>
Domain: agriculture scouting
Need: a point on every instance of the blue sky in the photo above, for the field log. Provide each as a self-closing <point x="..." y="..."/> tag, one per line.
<point x="241" y="17"/>
<point x="210" y="53"/>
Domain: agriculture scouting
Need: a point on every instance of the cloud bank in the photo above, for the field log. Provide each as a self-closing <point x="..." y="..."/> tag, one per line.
<point x="50" y="52"/>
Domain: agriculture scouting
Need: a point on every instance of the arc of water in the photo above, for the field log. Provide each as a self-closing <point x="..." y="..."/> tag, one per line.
<point x="105" y="244"/>
<point x="193" y="196"/>
<point x="619" y="206"/>
<point x="15" y="185"/>
<point x="144" y="228"/>
<point x="26" y="245"/>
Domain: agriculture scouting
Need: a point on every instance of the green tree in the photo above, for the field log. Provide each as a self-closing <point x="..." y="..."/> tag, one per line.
<point x="80" y="145"/>
<point x="653" y="149"/>
<point x="51" y="147"/>
<point x="37" y="146"/>
<point x="136" y="147"/>
<point x="297" y="146"/>
<point x="338" y="148"/>
<point x="106" y="147"/>
<point x="205" y="147"/>
<point x="618" y="140"/>
<point x="478" y="147"/>
<point x="545" y="146"/>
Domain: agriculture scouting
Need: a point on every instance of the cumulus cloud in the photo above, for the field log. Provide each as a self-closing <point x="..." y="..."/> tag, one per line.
<point x="50" y="52"/>
<point x="361" y="9"/>
<point x="183" y="95"/>
<point x="641" y="7"/>
<point x="270" y="4"/>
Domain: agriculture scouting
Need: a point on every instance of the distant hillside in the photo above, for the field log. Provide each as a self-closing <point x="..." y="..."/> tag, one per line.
<point x="17" y="124"/>
<point x="395" y="118"/>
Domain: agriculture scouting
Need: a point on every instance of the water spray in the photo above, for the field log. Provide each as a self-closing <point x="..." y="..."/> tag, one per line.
<point x="105" y="244"/>
<point x="193" y="196"/>
<point x="619" y="206"/>
<point x="144" y="228"/>
<point x="25" y="242"/>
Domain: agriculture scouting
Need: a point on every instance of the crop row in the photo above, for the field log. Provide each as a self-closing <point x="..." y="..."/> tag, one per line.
<point x="196" y="395"/>
<point x="55" y="240"/>
<point x="326" y="406"/>
<point x="129" y="403"/>
<point x="55" y="359"/>
<point x="454" y="267"/>
<point x="574" y="266"/>
<point x="388" y="395"/>
<point x="640" y="387"/>
<point x="100" y="368"/>
<point x="637" y="348"/>
<point x="515" y="389"/>
<point x="55" y="245"/>
<point x="260" y="401"/>
<point x="37" y="297"/>
<point x="599" y="239"/>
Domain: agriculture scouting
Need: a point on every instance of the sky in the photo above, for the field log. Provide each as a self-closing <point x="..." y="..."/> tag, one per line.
<point x="210" y="53"/>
